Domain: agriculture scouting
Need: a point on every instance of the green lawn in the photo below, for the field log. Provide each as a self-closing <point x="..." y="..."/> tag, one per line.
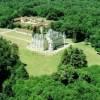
<point x="92" y="56"/>
<point x="38" y="64"/>
<point x="19" y="35"/>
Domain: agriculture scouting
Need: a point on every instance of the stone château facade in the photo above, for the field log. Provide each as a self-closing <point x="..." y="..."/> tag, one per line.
<point x="49" y="41"/>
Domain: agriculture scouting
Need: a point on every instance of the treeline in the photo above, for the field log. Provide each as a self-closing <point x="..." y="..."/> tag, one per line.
<point x="74" y="80"/>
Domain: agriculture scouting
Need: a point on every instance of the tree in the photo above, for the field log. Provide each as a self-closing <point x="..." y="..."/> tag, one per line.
<point x="95" y="40"/>
<point x="8" y="58"/>
<point x="54" y="14"/>
<point x="17" y="72"/>
<point x="66" y="74"/>
<point x="35" y="30"/>
<point x="8" y="53"/>
<point x="3" y="96"/>
<point x="74" y="57"/>
<point x="11" y="68"/>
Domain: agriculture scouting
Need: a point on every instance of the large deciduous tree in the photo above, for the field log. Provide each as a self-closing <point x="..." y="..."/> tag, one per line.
<point x="11" y="67"/>
<point x="74" y="57"/>
<point x="8" y="54"/>
<point x="8" y="58"/>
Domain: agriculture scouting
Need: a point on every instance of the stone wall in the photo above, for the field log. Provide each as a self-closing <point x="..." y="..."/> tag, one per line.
<point x="50" y="41"/>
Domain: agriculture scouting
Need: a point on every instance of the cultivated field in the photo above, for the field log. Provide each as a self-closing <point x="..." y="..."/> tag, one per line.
<point x="38" y="64"/>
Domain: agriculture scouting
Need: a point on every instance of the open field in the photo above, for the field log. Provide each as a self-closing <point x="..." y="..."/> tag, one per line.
<point x="38" y="64"/>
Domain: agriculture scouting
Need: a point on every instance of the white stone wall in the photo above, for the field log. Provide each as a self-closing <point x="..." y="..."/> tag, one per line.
<point x="49" y="41"/>
<point x="38" y="41"/>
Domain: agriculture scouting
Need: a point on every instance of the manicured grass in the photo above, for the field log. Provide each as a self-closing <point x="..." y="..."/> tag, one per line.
<point x="38" y="64"/>
<point x="19" y="35"/>
<point x="92" y="56"/>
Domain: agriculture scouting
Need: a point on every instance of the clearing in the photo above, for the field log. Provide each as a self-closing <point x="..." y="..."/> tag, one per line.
<point x="38" y="64"/>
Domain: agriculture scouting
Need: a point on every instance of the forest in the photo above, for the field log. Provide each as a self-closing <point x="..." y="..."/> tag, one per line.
<point x="74" y="79"/>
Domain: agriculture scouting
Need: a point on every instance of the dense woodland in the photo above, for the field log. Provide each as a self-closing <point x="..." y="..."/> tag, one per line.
<point x="74" y="80"/>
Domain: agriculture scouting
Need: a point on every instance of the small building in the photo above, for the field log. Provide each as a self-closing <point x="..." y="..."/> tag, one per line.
<point x="49" y="41"/>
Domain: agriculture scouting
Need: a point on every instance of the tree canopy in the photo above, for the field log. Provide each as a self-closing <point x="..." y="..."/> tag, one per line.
<point x="11" y="68"/>
<point x="74" y="57"/>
